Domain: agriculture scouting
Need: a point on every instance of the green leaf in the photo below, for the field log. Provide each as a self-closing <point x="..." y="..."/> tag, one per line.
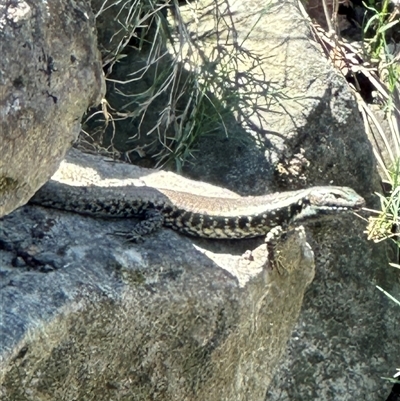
<point x="387" y="26"/>
<point x="370" y="21"/>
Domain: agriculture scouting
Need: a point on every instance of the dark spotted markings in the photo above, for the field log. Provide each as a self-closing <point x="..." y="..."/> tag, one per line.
<point x="161" y="207"/>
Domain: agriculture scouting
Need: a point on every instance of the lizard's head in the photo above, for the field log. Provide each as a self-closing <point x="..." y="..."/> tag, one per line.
<point x="326" y="202"/>
<point x="335" y="198"/>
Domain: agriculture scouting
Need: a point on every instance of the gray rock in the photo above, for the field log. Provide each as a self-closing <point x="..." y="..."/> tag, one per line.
<point x="86" y="316"/>
<point x="297" y="123"/>
<point x="82" y="294"/>
<point x="50" y="74"/>
<point x="310" y="133"/>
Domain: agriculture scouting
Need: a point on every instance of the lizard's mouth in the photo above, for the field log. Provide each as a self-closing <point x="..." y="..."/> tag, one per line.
<point x="312" y="213"/>
<point x="336" y="199"/>
<point x="333" y="208"/>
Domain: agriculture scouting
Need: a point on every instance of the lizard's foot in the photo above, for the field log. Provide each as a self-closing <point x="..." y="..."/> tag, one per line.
<point x="271" y="240"/>
<point x="129" y="236"/>
<point x="153" y="220"/>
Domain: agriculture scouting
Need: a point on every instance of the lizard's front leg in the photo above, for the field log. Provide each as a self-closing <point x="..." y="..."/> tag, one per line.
<point x="271" y="241"/>
<point x="153" y="221"/>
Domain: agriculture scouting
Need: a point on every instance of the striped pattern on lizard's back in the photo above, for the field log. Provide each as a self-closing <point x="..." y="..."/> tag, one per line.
<point x="195" y="215"/>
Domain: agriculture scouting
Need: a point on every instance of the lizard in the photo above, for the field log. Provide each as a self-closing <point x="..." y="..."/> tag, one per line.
<point x="196" y="215"/>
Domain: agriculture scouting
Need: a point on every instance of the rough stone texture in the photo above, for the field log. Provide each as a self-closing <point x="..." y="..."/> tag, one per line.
<point x="50" y="73"/>
<point x="291" y="99"/>
<point x="85" y="316"/>
<point x="287" y="124"/>
<point x="348" y="335"/>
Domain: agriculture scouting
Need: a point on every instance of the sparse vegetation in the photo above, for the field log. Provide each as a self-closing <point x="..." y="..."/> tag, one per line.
<point x="194" y="90"/>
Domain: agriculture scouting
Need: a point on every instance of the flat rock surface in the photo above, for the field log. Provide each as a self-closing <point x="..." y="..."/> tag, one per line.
<point x="86" y="316"/>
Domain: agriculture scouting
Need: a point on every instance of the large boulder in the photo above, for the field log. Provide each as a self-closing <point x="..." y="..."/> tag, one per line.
<point x="69" y="298"/>
<point x="291" y="121"/>
<point x="87" y="316"/>
<point x="50" y="74"/>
